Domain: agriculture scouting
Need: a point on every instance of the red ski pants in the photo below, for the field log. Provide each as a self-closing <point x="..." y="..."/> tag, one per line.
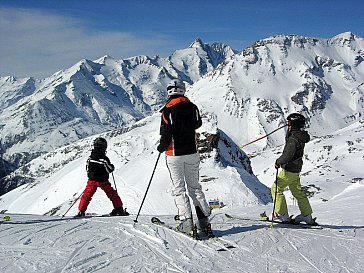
<point x="90" y="190"/>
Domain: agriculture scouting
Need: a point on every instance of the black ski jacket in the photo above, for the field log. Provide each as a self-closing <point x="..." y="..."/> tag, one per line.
<point x="180" y="118"/>
<point x="98" y="166"/>
<point x="291" y="158"/>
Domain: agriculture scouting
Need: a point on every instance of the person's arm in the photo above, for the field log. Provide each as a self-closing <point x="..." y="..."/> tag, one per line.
<point x="107" y="164"/>
<point x="165" y="131"/>
<point x="198" y="119"/>
<point x="288" y="152"/>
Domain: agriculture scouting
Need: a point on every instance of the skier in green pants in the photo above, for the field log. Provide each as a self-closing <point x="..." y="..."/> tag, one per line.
<point x="291" y="163"/>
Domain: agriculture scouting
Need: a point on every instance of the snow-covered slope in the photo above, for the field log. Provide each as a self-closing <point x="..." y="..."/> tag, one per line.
<point x="59" y="177"/>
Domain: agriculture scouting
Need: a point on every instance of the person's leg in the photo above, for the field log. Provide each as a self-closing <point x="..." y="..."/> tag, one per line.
<point x="194" y="188"/>
<point x="111" y="194"/>
<point x="297" y="192"/>
<point x="191" y="170"/>
<point x="281" y="204"/>
<point x="175" y="165"/>
<point x="89" y="191"/>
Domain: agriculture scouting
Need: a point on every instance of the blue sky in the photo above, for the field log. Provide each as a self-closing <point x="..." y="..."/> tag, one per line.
<point x="40" y="37"/>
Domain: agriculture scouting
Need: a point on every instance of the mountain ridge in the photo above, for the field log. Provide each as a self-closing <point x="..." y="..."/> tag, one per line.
<point x="259" y="87"/>
<point x="88" y="98"/>
<point x="249" y="92"/>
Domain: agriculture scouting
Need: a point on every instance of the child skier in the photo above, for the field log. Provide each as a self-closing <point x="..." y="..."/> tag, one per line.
<point x="98" y="168"/>
<point x="291" y="163"/>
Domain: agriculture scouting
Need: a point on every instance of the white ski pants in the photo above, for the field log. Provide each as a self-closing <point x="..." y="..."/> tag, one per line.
<point x="184" y="172"/>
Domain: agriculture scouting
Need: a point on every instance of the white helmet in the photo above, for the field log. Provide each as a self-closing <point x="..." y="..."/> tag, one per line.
<point x="176" y="87"/>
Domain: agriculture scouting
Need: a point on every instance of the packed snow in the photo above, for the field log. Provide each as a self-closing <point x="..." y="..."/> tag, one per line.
<point x="33" y="243"/>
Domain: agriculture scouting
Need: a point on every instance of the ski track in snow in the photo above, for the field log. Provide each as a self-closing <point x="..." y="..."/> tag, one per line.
<point x="299" y="252"/>
<point x="30" y="243"/>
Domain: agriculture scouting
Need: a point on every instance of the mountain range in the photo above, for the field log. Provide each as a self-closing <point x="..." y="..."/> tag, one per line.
<point x="48" y="124"/>
<point x="38" y="116"/>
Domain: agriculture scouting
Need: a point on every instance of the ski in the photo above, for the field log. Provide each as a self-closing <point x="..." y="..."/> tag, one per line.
<point x="291" y="221"/>
<point x="239" y="218"/>
<point x="211" y="237"/>
<point x="266" y="219"/>
<point x="226" y="244"/>
<point x="159" y="222"/>
<point x="222" y="245"/>
<point x="89" y="216"/>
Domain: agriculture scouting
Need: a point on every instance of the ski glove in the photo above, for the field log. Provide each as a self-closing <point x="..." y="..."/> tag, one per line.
<point x="160" y="149"/>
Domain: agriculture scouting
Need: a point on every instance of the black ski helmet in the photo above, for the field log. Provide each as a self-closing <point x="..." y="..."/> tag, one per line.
<point x="100" y="143"/>
<point x="296" y="120"/>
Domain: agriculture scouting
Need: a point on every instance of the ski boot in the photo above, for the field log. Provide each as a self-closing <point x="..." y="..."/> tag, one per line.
<point x="81" y="214"/>
<point x="204" y="227"/>
<point x="306" y="219"/>
<point x="119" y="212"/>
<point x="193" y="233"/>
<point x="284" y="218"/>
<point x="186" y="226"/>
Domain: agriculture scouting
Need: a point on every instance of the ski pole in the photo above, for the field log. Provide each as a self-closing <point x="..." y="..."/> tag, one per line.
<point x="114" y="181"/>
<point x="242" y="146"/>
<point x="74" y="202"/>
<point x="145" y="195"/>
<point x="275" y="198"/>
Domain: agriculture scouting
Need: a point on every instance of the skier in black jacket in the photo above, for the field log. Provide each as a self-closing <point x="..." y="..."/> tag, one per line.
<point x="179" y="121"/>
<point x="98" y="168"/>
<point x="291" y="163"/>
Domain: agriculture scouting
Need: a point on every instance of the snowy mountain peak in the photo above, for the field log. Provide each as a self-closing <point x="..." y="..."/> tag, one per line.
<point x="197" y="43"/>
<point x="350" y="40"/>
<point x="104" y="59"/>
<point x="9" y="79"/>
<point x="349" y="36"/>
<point x="286" y="41"/>
<point x="213" y="49"/>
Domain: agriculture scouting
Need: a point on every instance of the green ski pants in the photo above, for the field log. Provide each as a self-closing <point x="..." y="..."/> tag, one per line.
<point x="292" y="180"/>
